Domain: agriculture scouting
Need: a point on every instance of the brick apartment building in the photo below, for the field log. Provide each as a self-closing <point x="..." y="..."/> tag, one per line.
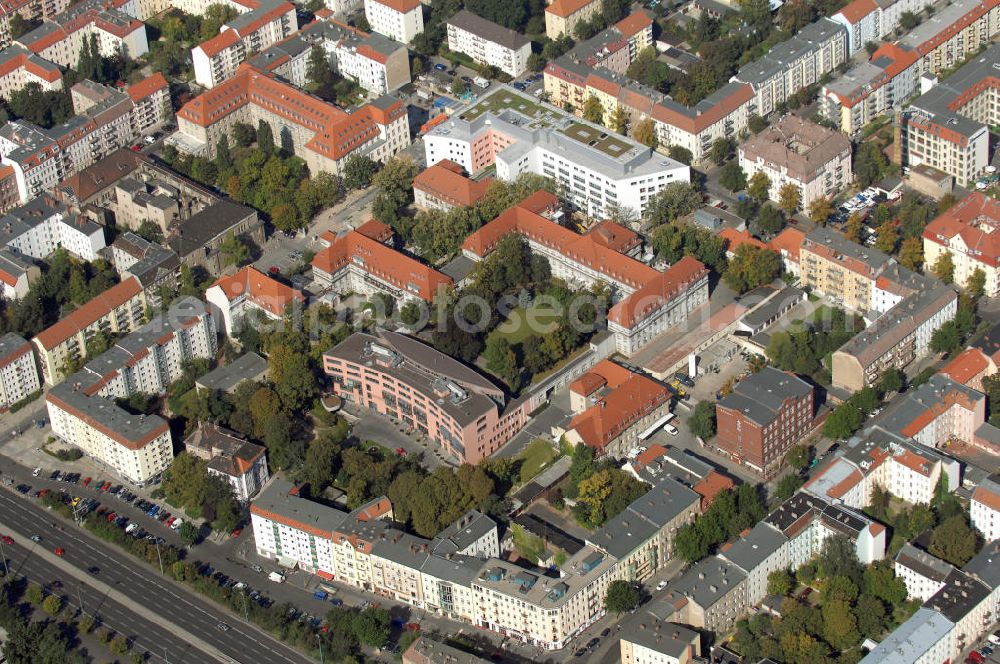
<point x="763" y="418"/>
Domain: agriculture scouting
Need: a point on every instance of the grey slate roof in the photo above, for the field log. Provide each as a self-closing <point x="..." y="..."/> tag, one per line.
<point x="10" y="343"/>
<point x="277" y="499"/>
<point x="750" y="551"/>
<point x="961" y="593"/>
<point x="666" y="638"/>
<point x="911" y="640"/>
<point x="205" y="226"/>
<point x="916" y="402"/>
<point x="985" y="566"/>
<point x="249" y="366"/>
<point x="464" y="532"/>
<point x="760" y="396"/>
<point x="706" y="582"/>
<point x="923" y="563"/>
<point x="488" y="30"/>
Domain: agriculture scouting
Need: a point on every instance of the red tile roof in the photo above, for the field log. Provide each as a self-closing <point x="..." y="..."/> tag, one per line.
<point x="374" y="229"/>
<point x="260" y="289"/>
<point x="700" y="121"/>
<point x="657" y="291"/>
<point x="914" y="462"/>
<point x="634" y="23"/>
<point x="966" y="366"/>
<point x="614" y="236"/>
<point x="219" y="43"/>
<point x="986" y="497"/>
<point x="402" y="6"/>
<point x="735" y="238"/>
<point x="788" y="242"/>
<point x="627" y="401"/>
<point x="147" y="87"/>
<point x="710" y="487"/>
<point x="976" y="220"/>
<point x="648" y="456"/>
<point x="382" y="262"/>
<point x="89" y="313"/>
<point x="336" y="133"/>
<point x="605" y="373"/>
<point x="566" y="8"/>
<point x="857" y="10"/>
<point x="446" y="181"/>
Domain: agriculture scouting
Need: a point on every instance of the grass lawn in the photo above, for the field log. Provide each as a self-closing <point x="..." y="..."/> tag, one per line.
<point x="535" y="457"/>
<point x="522" y="323"/>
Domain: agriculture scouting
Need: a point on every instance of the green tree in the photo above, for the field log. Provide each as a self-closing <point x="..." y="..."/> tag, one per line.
<point x="457" y="87"/>
<point x="681" y="154"/>
<point x="780" y="582"/>
<point x="840" y="625"/>
<point x="410" y="313"/>
<point x="787" y="486"/>
<point x="501" y="360"/>
<point x="908" y="20"/>
<point x="870" y="164"/>
<point x="52" y="605"/>
<point x="946" y="339"/>
<point x="234" y="250"/>
<point x="265" y="138"/>
<point x="721" y="150"/>
<point x="732" y="176"/>
<point x="759" y="186"/>
<point x="118" y="645"/>
<point x="214" y="18"/>
<point x="881" y="582"/>
<point x="243" y="134"/>
<point x="620" y="597"/>
<point x="149" y="230"/>
<point x="770" y="220"/>
<point x="975" y="285"/>
<point x="756" y="124"/>
<point x="887" y="237"/>
<point x="789" y="198"/>
<point x="593" y="111"/>
<point x="852" y="230"/>
<point x="871" y="616"/>
<point x="675" y="200"/>
<point x="911" y="253"/>
<point x="799" y="457"/>
<point x="751" y="267"/>
<point x="891" y="380"/>
<point x="189" y="533"/>
<point x="644" y="131"/>
<point x="954" y="541"/>
<point x="702" y="420"/>
<point x="820" y="210"/>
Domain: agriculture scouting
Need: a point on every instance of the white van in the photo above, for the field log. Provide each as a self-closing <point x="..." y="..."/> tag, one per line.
<point x="481" y="82"/>
<point x="277" y="577"/>
<point x="670" y="428"/>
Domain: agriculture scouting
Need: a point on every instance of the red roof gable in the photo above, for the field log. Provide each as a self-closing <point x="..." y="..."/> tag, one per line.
<point x="260" y="289"/>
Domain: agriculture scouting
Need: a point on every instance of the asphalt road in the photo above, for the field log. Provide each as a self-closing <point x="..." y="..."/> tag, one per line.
<point x="145" y="635"/>
<point x="242" y="642"/>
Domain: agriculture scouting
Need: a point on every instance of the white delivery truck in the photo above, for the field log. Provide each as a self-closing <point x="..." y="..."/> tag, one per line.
<point x="277" y="577"/>
<point x="481" y="82"/>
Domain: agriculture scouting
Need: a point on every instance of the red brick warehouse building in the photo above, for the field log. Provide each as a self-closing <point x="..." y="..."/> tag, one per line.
<point x="763" y="417"/>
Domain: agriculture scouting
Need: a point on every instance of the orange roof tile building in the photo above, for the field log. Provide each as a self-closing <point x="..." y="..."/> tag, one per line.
<point x="362" y="261"/>
<point x="646" y="302"/>
<point x="969" y="232"/>
<point x="249" y="291"/>
<point x="444" y="186"/>
<point x="322" y="134"/>
<point x="241" y="463"/>
<point x="984" y="508"/>
<point x="562" y="16"/>
<point x="938" y="412"/>
<point x="613" y="405"/>
<point x="897" y="464"/>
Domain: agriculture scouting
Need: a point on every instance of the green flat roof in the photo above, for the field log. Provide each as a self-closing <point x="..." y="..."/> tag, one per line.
<point x="505" y="99"/>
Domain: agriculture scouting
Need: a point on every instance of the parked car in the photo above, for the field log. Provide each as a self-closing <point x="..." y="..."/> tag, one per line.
<point x="440" y="67"/>
<point x="7" y="539"/>
<point x="59" y="551"/>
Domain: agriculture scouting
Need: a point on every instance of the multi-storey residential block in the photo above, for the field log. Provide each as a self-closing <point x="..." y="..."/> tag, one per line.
<point x="488" y="43"/>
<point x="763" y="417"/>
<point x="433" y="395"/>
<point x="61" y="39"/>
<point x="82" y="408"/>
<point x="248" y="292"/>
<point x="799" y="62"/>
<point x="156" y="267"/>
<point x="519" y="134"/>
<point x="265" y="24"/>
<point x="444" y="186"/>
<point x="892" y="461"/>
<point x="645" y="302"/>
<point x="17" y="273"/>
<point x="43" y="225"/>
<point x="814" y="159"/>
<point x="18" y="372"/>
<point x="979" y="360"/>
<point x="947" y="127"/>
<point x="871" y="89"/>
<point x="137" y="447"/>
<point x="612" y="406"/>
<point x="969" y="232"/>
<point x="984" y="508"/>
<point x="898" y="337"/>
<point x="710" y="595"/>
<point x="119" y="310"/>
<point x="473" y="534"/>
<point x="426" y="650"/>
<point x="871" y="21"/>
<point x="321" y="134"/>
<point x="108" y="120"/>
<point x="28" y="10"/>
<point x="952" y="34"/>
<point x="401" y="20"/>
<point x="363" y="261"/>
<point x="938" y="412"/>
<point x="641" y="537"/>
<point x="378" y="64"/>
<point x="757" y="552"/>
<point x="241" y="463"/>
<point x="19" y="66"/>
<point x="658" y="643"/>
<point x="923" y="574"/>
<point x="562" y="16"/>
